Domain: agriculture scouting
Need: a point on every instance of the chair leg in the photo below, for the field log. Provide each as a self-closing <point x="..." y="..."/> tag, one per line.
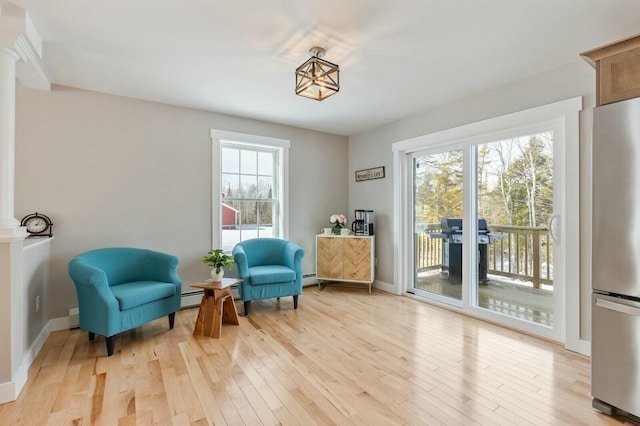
<point x="92" y="336"/>
<point x="110" y="344"/>
<point x="246" y="308"/>
<point x="172" y="318"/>
<point x="295" y="302"/>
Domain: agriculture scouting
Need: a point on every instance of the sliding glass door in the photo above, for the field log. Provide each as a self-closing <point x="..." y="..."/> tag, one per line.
<point x="438" y="188"/>
<point x="514" y="186"/>
<point x="509" y="189"/>
<point x="482" y="227"/>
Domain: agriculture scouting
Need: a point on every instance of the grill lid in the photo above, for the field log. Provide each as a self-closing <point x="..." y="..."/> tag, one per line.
<point x="451" y="225"/>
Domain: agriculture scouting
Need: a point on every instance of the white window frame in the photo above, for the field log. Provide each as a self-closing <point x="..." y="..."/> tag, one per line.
<point x="280" y="145"/>
<point x="565" y="118"/>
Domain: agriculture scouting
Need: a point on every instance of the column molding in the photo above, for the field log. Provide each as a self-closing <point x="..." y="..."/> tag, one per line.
<point x="20" y="53"/>
<point x="18" y="34"/>
<point x="8" y="222"/>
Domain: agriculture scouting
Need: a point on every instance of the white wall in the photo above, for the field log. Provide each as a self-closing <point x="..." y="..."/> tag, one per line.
<point x="373" y="148"/>
<point x="114" y="171"/>
<point x="36" y="270"/>
<point x="118" y="171"/>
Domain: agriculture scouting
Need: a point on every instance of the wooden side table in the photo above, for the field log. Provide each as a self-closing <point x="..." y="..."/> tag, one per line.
<point x="217" y="306"/>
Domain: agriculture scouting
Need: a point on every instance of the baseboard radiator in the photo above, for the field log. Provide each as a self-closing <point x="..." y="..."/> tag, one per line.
<point x="193" y="297"/>
<point x="74" y="319"/>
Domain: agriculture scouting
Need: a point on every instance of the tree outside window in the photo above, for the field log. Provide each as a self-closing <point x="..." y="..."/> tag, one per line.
<point x="249" y="193"/>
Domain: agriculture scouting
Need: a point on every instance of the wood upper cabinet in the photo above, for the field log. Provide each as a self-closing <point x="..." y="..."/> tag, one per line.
<point x="617" y="70"/>
<point x="345" y="258"/>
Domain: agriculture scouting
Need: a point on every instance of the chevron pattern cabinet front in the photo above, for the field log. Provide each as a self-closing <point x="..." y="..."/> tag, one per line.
<point x="357" y="259"/>
<point x="345" y="259"/>
<point x="329" y="253"/>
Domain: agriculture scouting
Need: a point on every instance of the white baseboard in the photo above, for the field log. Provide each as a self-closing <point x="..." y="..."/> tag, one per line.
<point x="10" y="391"/>
<point x="380" y="285"/>
<point x="310" y="280"/>
<point x="190" y="300"/>
<point x="74" y="318"/>
<point x="384" y="286"/>
<point x="193" y="298"/>
<point x="62" y="323"/>
<point x="36" y="346"/>
<point x="584" y="347"/>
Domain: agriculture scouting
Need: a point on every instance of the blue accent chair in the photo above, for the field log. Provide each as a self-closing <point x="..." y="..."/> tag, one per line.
<point x="269" y="267"/>
<point x="121" y="288"/>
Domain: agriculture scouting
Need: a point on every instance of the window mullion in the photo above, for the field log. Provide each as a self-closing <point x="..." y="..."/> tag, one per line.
<point x="250" y="205"/>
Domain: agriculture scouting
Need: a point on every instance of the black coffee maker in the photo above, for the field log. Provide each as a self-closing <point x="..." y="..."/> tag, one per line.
<point x="363" y="223"/>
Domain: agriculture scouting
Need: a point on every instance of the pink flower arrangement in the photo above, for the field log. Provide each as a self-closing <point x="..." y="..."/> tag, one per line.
<point x="337" y="219"/>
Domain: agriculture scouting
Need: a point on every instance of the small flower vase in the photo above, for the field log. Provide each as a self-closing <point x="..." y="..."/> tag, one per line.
<point x="336" y="229"/>
<point x="217" y="277"/>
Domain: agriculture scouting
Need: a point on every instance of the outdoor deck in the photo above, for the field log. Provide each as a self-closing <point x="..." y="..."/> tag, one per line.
<point x="520" y="271"/>
<point x="498" y="295"/>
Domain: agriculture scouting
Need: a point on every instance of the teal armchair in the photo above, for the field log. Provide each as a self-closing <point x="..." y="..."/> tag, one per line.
<point x="121" y="288"/>
<point x="269" y="267"/>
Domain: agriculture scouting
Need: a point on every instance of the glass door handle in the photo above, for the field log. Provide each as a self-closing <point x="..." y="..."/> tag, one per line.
<point x="552" y="231"/>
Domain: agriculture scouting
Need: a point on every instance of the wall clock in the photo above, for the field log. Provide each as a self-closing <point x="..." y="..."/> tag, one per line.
<point x="37" y="225"/>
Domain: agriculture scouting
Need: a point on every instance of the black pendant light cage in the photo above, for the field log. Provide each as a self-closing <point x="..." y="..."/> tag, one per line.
<point x="317" y="79"/>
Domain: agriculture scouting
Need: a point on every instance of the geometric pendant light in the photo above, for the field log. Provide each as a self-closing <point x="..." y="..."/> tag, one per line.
<point x="316" y="78"/>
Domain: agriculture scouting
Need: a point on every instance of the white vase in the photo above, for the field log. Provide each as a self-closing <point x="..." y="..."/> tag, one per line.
<point x="217" y="277"/>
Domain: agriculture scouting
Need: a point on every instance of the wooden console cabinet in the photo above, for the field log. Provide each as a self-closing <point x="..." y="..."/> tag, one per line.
<point x="348" y="259"/>
<point x="617" y="70"/>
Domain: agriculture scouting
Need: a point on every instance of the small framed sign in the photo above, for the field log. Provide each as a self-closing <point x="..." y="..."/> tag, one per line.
<point x="368" y="174"/>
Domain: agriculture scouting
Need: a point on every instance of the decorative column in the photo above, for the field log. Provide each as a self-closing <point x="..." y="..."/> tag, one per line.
<point x="9" y="226"/>
<point x="19" y="41"/>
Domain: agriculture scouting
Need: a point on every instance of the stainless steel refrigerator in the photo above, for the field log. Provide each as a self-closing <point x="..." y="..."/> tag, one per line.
<point x="615" y="313"/>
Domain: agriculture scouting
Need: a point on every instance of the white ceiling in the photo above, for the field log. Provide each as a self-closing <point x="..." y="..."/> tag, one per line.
<point x="397" y="58"/>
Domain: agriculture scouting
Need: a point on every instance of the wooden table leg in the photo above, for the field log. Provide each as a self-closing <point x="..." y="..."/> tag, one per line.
<point x="230" y="312"/>
<point x="217" y="319"/>
<point x="217" y="306"/>
<point x="202" y="314"/>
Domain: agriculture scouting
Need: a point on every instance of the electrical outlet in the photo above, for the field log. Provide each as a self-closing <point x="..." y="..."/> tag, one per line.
<point x="37" y="303"/>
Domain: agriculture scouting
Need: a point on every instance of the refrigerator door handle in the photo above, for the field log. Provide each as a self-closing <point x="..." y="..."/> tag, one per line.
<point x="619" y="307"/>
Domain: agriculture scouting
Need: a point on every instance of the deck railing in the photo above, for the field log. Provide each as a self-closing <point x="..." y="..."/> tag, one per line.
<point x="526" y="253"/>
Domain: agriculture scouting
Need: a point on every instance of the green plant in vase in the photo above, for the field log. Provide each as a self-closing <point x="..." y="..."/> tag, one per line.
<point x="218" y="259"/>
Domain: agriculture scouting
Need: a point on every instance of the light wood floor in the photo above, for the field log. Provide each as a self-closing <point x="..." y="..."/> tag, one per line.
<point x="344" y="357"/>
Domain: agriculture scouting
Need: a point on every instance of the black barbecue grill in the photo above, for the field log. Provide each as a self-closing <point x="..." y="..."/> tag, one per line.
<point x="451" y="236"/>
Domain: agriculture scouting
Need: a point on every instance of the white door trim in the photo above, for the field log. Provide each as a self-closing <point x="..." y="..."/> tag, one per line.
<point x="566" y="113"/>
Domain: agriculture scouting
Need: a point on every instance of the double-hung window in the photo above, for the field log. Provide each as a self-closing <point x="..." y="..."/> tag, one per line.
<point x="249" y="195"/>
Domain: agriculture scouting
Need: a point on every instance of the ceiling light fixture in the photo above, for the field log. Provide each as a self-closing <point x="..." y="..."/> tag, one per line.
<point x="316" y="78"/>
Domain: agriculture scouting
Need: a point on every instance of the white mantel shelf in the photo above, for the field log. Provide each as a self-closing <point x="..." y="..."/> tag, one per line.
<point x="36" y="241"/>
